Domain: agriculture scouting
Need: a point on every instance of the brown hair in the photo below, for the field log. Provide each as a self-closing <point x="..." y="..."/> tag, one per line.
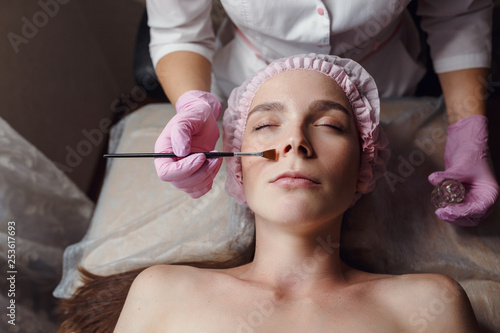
<point x="96" y="305"/>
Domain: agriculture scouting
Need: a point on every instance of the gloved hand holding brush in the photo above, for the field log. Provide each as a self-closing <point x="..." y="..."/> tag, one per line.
<point x="194" y="128"/>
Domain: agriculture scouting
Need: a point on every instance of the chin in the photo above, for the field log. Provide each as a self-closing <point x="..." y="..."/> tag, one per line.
<point x="295" y="210"/>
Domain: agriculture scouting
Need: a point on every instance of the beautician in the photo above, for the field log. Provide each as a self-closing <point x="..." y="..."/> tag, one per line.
<point x="197" y="69"/>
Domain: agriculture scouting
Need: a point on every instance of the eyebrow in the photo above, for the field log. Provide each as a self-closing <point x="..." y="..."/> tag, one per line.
<point x="325" y="105"/>
<point x="318" y="105"/>
<point x="271" y="106"/>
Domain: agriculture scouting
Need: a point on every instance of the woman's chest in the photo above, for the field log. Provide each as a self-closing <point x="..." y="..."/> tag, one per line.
<point x="247" y="312"/>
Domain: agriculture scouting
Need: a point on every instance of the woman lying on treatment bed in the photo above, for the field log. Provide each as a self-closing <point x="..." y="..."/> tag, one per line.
<point x="321" y="114"/>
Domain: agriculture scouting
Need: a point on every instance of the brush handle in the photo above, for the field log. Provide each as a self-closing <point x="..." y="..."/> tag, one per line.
<point x="207" y="154"/>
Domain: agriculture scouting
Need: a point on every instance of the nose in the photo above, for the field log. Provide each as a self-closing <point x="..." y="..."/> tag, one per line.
<point x="297" y="143"/>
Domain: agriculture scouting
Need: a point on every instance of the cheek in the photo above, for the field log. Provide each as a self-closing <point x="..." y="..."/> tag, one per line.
<point x="250" y="181"/>
<point x="345" y="163"/>
<point x="253" y="174"/>
<point x="260" y="140"/>
<point x="354" y="162"/>
<point x="354" y="153"/>
<point x="247" y="166"/>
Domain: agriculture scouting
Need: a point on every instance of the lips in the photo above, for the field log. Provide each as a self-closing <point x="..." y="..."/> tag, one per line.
<point x="295" y="179"/>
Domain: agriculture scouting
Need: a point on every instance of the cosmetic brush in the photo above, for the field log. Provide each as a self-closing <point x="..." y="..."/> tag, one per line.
<point x="269" y="154"/>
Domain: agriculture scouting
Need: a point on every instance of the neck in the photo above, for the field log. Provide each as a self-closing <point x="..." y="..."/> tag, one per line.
<point x="294" y="261"/>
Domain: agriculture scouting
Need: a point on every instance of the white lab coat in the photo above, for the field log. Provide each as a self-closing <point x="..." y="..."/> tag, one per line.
<point x="379" y="34"/>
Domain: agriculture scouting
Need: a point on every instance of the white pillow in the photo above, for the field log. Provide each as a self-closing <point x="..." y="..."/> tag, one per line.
<point x="140" y="220"/>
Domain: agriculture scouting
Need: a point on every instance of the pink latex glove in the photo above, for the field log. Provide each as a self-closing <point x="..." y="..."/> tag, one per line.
<point x="466" y="160"/>
<point x="193" y="129"/>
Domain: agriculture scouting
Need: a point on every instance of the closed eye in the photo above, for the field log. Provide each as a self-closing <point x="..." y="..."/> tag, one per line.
<point x="262" y="126"/>
<point x="333" y="126"/>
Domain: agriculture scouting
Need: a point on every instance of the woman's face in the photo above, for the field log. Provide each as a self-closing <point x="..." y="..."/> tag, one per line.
<point x="307" y="117"/>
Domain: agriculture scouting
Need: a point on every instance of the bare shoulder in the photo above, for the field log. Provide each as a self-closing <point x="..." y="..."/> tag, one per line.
<point x="154" y="292"/>
<point x="159" y="280"/>
<point x="163" y="276"/>
<point x="429" y="303"/>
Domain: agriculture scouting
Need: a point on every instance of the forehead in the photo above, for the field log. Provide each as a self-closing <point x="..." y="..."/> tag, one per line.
<point x="300" y="85"/>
